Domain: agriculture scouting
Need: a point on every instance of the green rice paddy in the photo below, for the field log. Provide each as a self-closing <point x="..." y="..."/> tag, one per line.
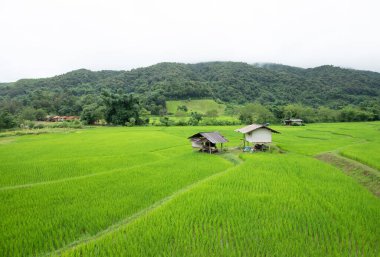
<point x="142" y="191"/>
<point x="200" y="106"/>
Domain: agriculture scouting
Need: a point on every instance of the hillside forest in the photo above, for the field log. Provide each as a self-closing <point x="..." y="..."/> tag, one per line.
<point x="251" y="92"/>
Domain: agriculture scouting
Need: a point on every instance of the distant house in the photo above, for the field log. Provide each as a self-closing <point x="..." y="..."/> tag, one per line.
<point x="62" y="118"/>
<point x="293" y="122"/>
<point x="71" y="118"/>
<point x="207" y="141"/>
<point x="257" y="134"/>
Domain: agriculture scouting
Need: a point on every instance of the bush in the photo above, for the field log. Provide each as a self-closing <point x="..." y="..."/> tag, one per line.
<point x="39" y="126"/>
<point x="195" y="119"/>
<point x="165" y="121"/>
<point x="7" y="120"/>
<point x="131" y="122"/>
<point x="68" y="124"/>
<point x="182" y="108"/>
<point x="181" y="122"/>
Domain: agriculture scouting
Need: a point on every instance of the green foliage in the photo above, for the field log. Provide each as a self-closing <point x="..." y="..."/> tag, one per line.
<point x="182" y="108"/>
<point x="255" y="113"/>
<point x="40" y="114"/>
<point x="76" y="124"/>
<point x="91" y="113"/>
<point x="28" y="114"/>
<point x="195" y="118"/>
<point x="195" y="105"/>
<point x="121" y="109"/>
<point x="165" y="121"/>
<point x="211" y="113"/>
<point x="350" y="113"/>
<point x="180" y="113"/>
<point x="7" y="120"/>
<point x="229" y="83"/>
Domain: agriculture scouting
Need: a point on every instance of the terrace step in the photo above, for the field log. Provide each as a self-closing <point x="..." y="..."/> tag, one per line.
<point x="363" y="174"/>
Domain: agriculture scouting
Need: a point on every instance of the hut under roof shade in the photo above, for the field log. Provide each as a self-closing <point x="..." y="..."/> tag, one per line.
<point x="213" y="137"/>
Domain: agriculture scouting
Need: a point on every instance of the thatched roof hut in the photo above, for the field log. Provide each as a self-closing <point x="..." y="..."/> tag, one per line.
<point x="207" y="141"/>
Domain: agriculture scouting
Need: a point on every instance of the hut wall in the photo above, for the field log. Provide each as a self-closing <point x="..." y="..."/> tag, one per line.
<point x="260" y="135"/>
<point x="196" y="144"/>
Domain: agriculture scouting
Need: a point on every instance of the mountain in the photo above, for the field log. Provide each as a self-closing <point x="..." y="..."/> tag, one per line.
<point x="230" y="82"/>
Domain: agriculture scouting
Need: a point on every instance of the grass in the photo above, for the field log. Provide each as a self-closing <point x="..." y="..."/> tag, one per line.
<point x="84" y="206"/>
<point x="269" y="206"/>
<point x="367" y="176"/>
<point x="200" y="106"/>
<point x="142" y="191"/>
<point x="368" y="153"/>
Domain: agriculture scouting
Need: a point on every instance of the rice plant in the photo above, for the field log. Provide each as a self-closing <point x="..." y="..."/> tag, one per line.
<point x="142" y="191"/>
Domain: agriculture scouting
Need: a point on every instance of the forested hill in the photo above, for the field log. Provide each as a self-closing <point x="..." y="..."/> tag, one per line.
<point x="231" y="82"/>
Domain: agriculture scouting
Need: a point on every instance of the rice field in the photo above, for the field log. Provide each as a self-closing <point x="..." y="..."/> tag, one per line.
<point x="200" y="106"/>
<point x="367" y="153"/>
<point x="142" y="191"/>
<point x="287" y="207"/>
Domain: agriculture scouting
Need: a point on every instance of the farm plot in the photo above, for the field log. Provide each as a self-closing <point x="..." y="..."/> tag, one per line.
<point x="316" y="138"/>
<point x="271" y="205"/>
<point x="33" y="159"/>
<point x="141" y="191"/>
<point x="52" y="215"/>
<point x="368" y="153"/>
<point x="121" y="180"/>
<point x="200" y="106"/>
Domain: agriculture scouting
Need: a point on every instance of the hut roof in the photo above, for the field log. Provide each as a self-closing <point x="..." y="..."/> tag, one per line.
<point x="296" y="120"/>
<point x="213" y="137"/>
<point x="253" y="127"/>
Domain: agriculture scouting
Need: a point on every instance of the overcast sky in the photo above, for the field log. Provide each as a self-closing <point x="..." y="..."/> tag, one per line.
<point x="43" y="38"/>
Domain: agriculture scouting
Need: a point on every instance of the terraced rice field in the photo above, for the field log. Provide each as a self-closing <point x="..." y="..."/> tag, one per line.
<point x="144" y="192"/>
<point x="200" y="106"/>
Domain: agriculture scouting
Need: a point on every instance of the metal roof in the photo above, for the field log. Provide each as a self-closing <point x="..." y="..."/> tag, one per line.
<point x="213" y="137"/>
<point x="253" y="127"/>
<point x="297" y="120"/>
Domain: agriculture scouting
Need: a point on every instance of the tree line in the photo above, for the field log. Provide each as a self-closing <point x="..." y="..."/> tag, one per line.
<point x="335" y="94"/>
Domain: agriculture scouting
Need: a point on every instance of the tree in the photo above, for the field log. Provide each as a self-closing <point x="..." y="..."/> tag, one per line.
<point x="91" y="113"/>
<point x="182" y="108"/>
<point x="40" y="114"/>
<point x="165" y="121"/>
<point x="255" y="113"/>
<point x="7" y="120"/>
<point x="195" y="118"/>
<point x="28" y="113"/>
<point x="308" y="114"/>
<point x="293" y="111"/>
<point x="326" y="114"/>
<point x="351" y="113"/>
<point x="121" y="108"/>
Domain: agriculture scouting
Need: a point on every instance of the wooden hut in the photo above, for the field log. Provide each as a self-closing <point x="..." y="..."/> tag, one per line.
<point x="207" y="141"/>
<point x="293" y="122"/>
<point x="258" y="135"/>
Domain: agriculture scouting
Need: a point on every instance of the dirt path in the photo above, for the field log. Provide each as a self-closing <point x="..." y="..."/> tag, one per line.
<point x="365" y="175"/>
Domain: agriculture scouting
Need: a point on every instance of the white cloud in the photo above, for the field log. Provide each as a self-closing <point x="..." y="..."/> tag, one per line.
<point x="47" y="37"/>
